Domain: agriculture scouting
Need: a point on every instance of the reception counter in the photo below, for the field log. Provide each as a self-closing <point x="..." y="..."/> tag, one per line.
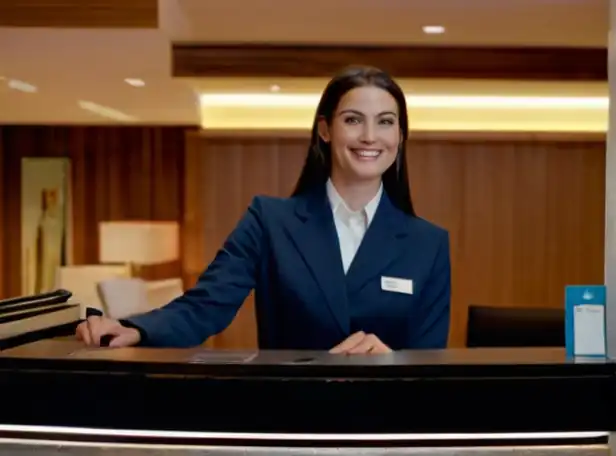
<point x="62" y="396"/>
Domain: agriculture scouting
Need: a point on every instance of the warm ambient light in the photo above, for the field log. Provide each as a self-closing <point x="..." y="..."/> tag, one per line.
<point x="138" y="242"/>
<point x="423" y="101"/>
<point x="434" y="29"/>
<point x="135" y="82"/>
<point x="506" y="102"/>
<point x="57" y="431"/>
<point x="22" y="86"/>
<point x="261" y="100"/>
<point x="105" y="111"/>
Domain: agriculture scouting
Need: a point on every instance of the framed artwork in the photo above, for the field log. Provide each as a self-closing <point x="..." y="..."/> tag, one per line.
<point x="46" y="222"/>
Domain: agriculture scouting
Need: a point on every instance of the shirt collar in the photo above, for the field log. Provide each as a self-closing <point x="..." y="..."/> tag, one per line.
<point x="338" y="204"/>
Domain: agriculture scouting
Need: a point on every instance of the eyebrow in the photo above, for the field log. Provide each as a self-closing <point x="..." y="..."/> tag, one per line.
<point x="353" y="111"/>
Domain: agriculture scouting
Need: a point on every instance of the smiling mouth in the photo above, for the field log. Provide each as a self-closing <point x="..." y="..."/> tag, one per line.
<point x="364" y="154"/>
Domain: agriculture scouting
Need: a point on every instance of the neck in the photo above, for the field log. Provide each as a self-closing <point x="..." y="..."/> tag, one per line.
<point x="356" y="194"/>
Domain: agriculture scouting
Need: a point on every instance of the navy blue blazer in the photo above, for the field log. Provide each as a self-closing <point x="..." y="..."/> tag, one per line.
<point x="287" y="250"/>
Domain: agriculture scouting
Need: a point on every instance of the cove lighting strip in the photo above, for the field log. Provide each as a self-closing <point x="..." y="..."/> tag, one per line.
<point x="67" y="431"/>
<point x="105" y="111"/>
<point x="414" y="101"/>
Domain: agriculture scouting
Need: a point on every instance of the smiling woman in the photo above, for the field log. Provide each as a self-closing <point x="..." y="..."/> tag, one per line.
<point x="368" y="137"/>
<point x="343" y="265"/>
<point x="359" y="131"/>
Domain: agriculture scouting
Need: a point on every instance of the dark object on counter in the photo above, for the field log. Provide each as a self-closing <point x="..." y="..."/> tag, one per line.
<point x="28" y="319"/>
<point x="515" y="327"/>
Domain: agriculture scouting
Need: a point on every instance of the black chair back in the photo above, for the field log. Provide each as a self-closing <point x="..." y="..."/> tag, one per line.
<point x="515" y="327"/>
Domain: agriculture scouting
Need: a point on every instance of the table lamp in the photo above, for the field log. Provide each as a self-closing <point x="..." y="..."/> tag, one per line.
<point x="138" y="243"/>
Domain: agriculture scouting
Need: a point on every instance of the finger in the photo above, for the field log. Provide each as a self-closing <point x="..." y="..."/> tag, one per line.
<point x="95" y="328"/>
<point x="348" y="343"/>
<point x="100" y="327"/>
<point x="78" y="332"/>
<point x="371" y="344"/>
<point x="123" y="339"/>
<point x="367" y="345"/>
<point x="83" y="333"/>
<point x="380" y="349"/>
<point x="86" y="334"/>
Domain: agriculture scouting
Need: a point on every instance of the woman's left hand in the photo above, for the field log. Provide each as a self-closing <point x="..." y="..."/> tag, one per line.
<point x="361" y="343"/>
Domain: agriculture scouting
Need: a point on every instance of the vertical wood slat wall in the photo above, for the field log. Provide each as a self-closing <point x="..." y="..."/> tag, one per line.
<point x="118" y="173"/>
<point x="525" y="216"/>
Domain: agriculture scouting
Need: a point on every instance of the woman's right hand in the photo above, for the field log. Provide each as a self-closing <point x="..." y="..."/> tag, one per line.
<point x="91" y="331"/>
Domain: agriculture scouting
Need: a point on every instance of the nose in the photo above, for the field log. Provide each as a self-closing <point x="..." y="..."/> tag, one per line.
<point x="367" y="133"/>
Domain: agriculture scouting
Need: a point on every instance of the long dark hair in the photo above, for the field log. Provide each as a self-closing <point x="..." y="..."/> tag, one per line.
<point x="318" y="164"/>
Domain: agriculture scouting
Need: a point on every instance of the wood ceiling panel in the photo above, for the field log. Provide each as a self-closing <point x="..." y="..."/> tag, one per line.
<point x="243" y="60"/>
<point x="79" y="13"/>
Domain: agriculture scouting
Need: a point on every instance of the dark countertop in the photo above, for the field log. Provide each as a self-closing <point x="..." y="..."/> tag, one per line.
<point x="67" y="355"/>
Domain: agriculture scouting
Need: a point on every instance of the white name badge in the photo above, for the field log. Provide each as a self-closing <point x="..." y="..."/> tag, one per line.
<point x="397" y="285"/>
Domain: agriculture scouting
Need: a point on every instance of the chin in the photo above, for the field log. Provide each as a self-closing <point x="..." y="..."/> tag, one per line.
<point x="365" y="173"/>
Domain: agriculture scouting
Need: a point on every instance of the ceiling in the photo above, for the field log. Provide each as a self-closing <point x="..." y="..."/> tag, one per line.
<point x="76" y="69"/>
<point x="468" y="22"/>
<point x="67" y="66"/>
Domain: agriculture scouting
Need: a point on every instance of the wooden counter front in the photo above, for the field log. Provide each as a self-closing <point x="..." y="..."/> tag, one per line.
<point x="480" y="390"/>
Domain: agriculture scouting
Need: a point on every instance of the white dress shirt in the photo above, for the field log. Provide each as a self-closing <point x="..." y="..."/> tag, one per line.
<point x="351" y="225"/>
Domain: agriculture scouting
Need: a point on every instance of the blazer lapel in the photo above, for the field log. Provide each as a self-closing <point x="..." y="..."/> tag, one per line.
<point x="314" y="234"/>
<point x="380" y="246"/>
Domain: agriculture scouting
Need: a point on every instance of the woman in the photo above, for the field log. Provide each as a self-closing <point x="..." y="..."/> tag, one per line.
<point x="343" y="265"/>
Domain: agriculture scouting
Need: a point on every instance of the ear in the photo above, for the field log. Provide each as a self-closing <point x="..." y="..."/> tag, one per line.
<point x="324" y="130"/>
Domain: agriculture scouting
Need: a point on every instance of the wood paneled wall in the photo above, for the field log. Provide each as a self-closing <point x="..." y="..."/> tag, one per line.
<point x="525" y="215"/>
<point x="222" y="176"/>
<point x="118" y="173"/>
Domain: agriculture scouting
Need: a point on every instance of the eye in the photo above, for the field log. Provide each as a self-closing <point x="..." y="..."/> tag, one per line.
<point x="353" y="120"/>
<point x="388" y="121"/>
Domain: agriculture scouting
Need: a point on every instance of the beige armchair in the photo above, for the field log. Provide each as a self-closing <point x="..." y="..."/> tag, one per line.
<point x="124" y="297"/>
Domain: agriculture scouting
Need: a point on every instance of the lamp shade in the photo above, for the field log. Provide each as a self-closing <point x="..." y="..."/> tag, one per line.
<point x="137" y="242"/>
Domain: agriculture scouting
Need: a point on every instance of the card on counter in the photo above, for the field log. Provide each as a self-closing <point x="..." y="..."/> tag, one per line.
<point x="585" y="320"/>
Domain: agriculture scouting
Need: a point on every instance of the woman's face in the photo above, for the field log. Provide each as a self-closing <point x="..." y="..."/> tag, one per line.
<point x="364" y="134"/>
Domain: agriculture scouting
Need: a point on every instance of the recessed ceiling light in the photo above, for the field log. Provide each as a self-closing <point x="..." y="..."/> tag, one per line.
<point x="434" y="29"/>
<point x="135" y="82"/>
<point x="21" y="86"/>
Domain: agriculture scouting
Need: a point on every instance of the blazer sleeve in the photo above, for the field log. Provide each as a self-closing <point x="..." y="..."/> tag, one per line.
<point x="434" y="315"/>
<point x="209" y="307"/>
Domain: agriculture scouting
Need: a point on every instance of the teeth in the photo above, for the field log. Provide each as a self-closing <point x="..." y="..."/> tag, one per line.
<point x="367" y="153"/>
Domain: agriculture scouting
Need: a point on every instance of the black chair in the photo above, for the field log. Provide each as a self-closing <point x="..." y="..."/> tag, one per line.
<point x="515" y="327"/>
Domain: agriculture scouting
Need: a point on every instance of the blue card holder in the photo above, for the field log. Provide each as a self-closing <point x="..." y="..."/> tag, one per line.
<point x="585" y="320"/>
